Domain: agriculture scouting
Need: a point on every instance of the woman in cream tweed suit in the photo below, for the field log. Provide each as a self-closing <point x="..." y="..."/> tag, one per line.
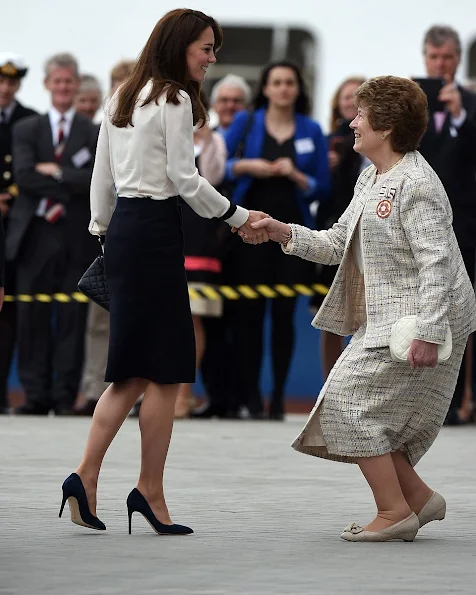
<point x="398" y="256"/>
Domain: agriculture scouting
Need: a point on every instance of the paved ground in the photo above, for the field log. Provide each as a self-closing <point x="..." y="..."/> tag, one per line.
<point x="267" y="520"/>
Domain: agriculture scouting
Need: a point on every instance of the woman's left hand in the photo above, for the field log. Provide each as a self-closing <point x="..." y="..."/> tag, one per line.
<point x="422" y="354"/>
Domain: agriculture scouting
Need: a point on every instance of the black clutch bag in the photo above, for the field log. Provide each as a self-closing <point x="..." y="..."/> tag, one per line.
<point x="93" y="283"/>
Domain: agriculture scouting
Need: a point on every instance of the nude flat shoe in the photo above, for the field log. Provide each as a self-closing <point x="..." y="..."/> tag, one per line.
<point x="406" y="530"/>
<point x="434" y="510"/>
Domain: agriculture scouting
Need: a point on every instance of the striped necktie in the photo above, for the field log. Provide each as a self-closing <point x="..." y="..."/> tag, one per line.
<point x="61" y="139"/>
<point x="49" y="209"/>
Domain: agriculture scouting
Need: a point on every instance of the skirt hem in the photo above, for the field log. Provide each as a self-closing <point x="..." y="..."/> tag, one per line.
<point x="148" y="377"/>
<point x="323" y="453"/>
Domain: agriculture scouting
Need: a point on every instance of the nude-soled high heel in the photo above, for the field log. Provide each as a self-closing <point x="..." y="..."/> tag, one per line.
<point x="75" y="495"/>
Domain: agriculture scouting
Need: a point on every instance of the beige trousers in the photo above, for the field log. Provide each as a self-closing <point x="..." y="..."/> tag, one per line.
<point x="97" y="343"/>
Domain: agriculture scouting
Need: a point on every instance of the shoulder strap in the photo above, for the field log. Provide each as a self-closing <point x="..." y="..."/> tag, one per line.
<point x="241" y="145"/>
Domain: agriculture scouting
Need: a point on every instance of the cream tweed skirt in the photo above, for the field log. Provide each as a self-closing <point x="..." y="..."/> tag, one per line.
<point x="371" y="405"/>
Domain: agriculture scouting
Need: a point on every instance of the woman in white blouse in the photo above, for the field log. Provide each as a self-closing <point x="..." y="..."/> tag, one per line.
<point x="145" y="154"/>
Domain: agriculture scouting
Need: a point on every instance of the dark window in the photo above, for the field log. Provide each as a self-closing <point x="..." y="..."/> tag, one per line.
<point x="249" y="46"/>
<point x="246" y="50"/>
<point x="301" y="47"/>
<point x="472" y="61"/>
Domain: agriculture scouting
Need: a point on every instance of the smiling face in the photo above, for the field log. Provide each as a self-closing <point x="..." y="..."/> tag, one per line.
<point x="368" y="142"/>
<point x="229" y="101"/>
<point x="346" y="101"/>
<point x="442" y="61"/>
<point x="282" y="87"/>
<point x="63" y="84"/>
<point x="200" y="54"/>
<point x="8" y="88"/>
<point x="87" y="102"/>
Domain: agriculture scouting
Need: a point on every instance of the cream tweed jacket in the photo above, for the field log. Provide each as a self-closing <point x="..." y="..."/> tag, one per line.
<point x="412" y="262"/>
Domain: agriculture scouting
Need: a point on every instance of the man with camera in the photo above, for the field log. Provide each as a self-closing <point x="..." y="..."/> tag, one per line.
<point x="449" y="145"/>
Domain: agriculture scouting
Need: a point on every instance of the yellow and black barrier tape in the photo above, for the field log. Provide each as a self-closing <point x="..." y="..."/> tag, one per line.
<point x="208" y="292"/>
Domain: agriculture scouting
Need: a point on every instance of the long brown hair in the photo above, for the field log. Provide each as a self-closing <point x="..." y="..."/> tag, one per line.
<point x="164" y="61"/>
<point x="335" y="112"/>
<point x="302" y="104"/>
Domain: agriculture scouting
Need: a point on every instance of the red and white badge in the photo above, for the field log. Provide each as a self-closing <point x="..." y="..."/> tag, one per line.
<point x="384" y="208"/>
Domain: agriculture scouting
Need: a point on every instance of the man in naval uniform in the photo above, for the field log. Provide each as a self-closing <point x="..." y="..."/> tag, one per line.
<point x="12" y="70"/>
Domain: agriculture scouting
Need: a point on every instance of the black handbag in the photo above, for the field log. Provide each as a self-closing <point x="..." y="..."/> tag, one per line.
<point x="93" y="283"/>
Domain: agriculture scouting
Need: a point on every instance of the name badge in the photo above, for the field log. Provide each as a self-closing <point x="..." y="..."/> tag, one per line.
<point x="81" y="157"/>
<point x="304" y="145"/>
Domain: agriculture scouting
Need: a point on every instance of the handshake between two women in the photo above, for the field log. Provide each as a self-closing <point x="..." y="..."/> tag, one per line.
<point x="260" y="228"/>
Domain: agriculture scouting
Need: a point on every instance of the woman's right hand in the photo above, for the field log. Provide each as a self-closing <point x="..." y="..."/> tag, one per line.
<point x="258" y="168"/>
<point x="422" y="354"/>
<point x="277" y="231"/>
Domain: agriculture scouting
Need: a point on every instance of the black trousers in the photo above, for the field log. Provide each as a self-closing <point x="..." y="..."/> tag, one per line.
<point x="50" y="335"/>
<point x="7" y="345"/>
<point x="8" y="322"/>
<point x="249" y="334"/>
<point x="469" y="258"/>
<point x="220" y="372"/>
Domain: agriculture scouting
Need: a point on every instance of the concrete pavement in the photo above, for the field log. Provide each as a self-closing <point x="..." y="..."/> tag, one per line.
<point x="267" y="520"/>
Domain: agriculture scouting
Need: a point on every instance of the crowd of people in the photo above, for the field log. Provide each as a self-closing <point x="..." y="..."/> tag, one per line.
<point x="266" y="154"/>
<point x="174" y="203"/>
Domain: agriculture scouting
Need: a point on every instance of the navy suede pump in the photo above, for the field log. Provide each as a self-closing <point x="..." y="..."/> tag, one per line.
<point x="74" y="493"/>
<point x="137" y="503"/>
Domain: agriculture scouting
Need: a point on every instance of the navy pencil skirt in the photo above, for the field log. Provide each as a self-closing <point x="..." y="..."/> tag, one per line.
<point x="151" y="332"/>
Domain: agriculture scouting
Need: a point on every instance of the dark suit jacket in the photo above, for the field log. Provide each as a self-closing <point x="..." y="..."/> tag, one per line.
<point x="7" y="179"/>
<point x="32" y="144"/>
<point x="452" y="154"/>
<point x="6" y="162"/>
<point x="2" y="254"/>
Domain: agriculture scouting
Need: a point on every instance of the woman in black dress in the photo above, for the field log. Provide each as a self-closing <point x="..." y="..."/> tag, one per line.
<point x="145" y="154"/>
<point x="283" y="169"/>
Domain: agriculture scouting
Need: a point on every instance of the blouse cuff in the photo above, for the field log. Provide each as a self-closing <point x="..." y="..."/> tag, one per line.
<point x="239" y="217"/>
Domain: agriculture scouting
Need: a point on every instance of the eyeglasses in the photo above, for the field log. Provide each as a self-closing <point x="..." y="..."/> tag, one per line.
<point x="235" y="100"/>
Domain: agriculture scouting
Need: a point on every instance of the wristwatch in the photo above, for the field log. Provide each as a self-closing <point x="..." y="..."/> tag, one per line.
<point x="58" y="175"/>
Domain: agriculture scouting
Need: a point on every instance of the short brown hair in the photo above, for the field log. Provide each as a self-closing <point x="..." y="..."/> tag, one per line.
<point x="396" y="104"/>
<point x="121" y="71"/>
<point x="335" y="112"/>
<point x="164" y="60"/>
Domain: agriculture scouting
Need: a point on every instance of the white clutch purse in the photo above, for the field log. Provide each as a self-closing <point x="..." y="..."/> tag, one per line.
<point x="403" y="333"/>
